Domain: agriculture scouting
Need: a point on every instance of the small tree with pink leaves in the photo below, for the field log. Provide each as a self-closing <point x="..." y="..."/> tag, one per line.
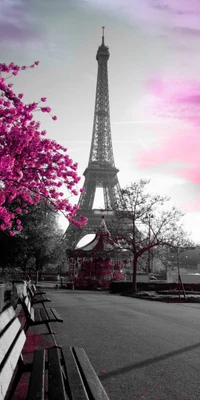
<point x="31" y="166"/>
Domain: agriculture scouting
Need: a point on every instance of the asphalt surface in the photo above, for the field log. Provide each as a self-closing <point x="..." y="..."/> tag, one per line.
<point x="141" y="350"/>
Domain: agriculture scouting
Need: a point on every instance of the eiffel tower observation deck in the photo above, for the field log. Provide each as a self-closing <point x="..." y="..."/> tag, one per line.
<point x="101" y="171"/>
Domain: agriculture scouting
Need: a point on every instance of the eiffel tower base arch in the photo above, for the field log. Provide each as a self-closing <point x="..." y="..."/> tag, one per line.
<point x="75" y="234"/>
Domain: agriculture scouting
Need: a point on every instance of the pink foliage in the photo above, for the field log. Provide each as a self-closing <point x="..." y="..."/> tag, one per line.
<point x="98" y="273"/>
<point x="31" y="166"/>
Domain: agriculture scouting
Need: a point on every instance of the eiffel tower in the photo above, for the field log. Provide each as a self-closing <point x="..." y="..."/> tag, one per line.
<point x="101" y="171"/>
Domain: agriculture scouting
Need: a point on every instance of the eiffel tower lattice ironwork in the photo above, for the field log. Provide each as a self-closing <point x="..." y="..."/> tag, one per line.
<point x="101" y="171"/>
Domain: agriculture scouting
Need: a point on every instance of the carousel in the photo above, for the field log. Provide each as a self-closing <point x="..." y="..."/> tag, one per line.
<point x="97" y="263"/>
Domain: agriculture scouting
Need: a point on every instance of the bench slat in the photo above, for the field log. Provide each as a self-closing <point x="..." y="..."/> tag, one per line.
<point x="56" y="315"/>
<point x="89" y="375"/>
<point x="43" y="314"/>
<point x="74" y="379"/>
<point x="10" y="364"/>
<point x="6" y="316"/>
<point x="50" y="314"/>
<point x="56" y="382"/>
<point x="40" y="299"/>
<point x="37" y="381"/>
<point x="37" y="315"/>
<point x="7" y="339"/>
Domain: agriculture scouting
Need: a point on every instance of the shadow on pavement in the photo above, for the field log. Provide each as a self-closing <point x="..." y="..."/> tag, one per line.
<point x="147" y="362"/>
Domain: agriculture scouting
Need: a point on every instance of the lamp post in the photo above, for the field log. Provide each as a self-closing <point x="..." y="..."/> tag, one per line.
<point x="149" y="216"/>
<point x="178" y="266"/>
<point x="179" y="276"/>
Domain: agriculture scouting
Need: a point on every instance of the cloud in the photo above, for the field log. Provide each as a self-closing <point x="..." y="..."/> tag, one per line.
<point x="176" y="7"/>
<point x="177" y="153"/>
<point x="15" y="24"/>
<point x="162" y="17"/>
<point x="177" y="100"/>
<point x="136" y="122"/>
<point x="192" y="173"/>
<point x="142" y="143"/>
<point x="192" y="206"/>
<point x="192" y="32"/>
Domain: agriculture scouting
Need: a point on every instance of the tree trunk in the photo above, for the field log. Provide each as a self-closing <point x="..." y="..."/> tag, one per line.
<point x="134" y="283"/>
<point x="37" y="271"/>
<point x="36" y="277"/>
<point x="24" y="271"/>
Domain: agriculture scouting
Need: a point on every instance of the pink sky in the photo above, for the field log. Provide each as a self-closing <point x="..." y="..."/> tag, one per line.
<point x="178" y="100"/>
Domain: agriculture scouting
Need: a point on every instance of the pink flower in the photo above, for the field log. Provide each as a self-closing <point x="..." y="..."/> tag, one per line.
<point x="31" y="166"/>
<point x="2" y="198"/>
<point x="54" y="118"/>
<point x="46" y="109"/>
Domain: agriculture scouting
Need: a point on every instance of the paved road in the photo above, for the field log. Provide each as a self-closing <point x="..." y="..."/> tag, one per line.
<point x="140" y="349"/>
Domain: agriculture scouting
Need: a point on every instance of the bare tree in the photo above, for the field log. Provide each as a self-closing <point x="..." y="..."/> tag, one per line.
<point x="144" y="221"/>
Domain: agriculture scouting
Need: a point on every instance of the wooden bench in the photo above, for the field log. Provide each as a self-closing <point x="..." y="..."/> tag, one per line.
<point x="36" y="298"/>
<point x="54" y="374"/>
<point x="38" y="316"/>
<point x="12" y="339"/>
<point x="35" y="290"/>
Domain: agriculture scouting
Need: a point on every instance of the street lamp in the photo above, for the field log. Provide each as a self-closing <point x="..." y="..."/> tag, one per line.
<point x="178" y="266"/>
<point x="149" y="216"/>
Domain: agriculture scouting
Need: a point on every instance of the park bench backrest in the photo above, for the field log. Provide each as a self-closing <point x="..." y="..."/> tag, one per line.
<point x="26" y="305"/>
<point x="33" y="288"/>
<point x="30" y="292"/>
<point x="12" y="339"/>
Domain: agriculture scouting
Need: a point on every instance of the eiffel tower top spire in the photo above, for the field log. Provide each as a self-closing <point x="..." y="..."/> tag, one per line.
<point x="101" y="152"/>
<point x="103" y="49"/>
<point x="103" y="27"/>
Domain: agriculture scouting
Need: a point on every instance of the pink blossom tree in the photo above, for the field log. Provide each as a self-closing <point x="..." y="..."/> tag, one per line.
<point x="31" y="166"/>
